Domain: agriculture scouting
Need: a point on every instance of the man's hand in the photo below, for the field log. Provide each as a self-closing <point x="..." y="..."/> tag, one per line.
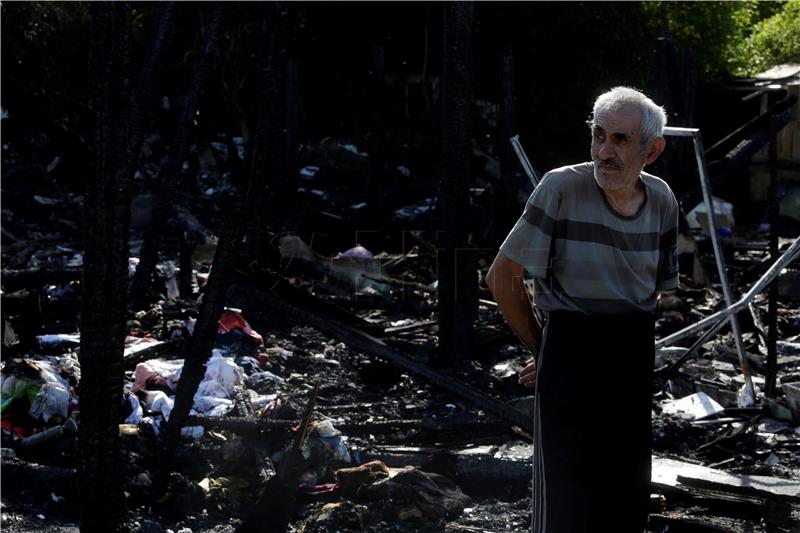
<point x="527" y="377"/>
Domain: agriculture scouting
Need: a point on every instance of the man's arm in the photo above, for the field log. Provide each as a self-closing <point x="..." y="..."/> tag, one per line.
<point x="506" y="283"/>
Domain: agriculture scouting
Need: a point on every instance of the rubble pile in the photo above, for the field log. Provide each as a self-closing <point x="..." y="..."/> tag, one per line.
<point x="392" y="444"/>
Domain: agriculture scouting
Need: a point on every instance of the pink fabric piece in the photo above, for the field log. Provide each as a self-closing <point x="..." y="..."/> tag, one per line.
<point x="157" y="371"/>
<point x="144" y="374"/>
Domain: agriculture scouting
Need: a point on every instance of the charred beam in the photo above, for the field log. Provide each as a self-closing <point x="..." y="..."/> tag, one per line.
<point x="197" y="350"/>
<point x="105" y="270"/>
<point x="272" y="283"/>
<point x="248" y="425"/>
<point x="754" y="136"/>
<point x="142" y="100"/>
<point x="38" y="277"/>
<point x="265" y="150"/>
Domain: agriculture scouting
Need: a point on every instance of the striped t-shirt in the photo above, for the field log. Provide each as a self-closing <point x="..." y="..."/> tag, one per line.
<point x="584" y="256"/>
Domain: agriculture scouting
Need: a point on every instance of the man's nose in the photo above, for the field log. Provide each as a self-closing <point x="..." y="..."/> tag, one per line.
<point x="606" y="150"/>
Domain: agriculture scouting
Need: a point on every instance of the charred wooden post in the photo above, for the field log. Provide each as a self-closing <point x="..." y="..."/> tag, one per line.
<point x="505" y="211"/>
<point x="105" y="270"/>
<point x="282" y="178"/>
<point x="148" y="257"/>
<point x="377" y="136"/>
<point x="458" y="281"/>
<point x="772" y="213"/>
<point x="272" y="511"/>
<point x="197" y="350"/>
<point x="142" y="100"/>
<point x="259" y="150"/>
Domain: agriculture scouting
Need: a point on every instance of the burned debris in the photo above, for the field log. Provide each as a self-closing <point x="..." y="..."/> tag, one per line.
<point x="390" y="440"/>
<point x="208" y="359"/>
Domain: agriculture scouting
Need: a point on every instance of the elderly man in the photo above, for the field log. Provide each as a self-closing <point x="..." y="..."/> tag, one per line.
<point x="599" y="240"/>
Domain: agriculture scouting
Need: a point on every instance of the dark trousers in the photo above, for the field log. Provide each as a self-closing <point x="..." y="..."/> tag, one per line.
<point x="592" y="424"/>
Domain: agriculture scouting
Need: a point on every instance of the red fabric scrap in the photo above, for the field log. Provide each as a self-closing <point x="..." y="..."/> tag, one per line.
<point x="231" y="320"/>
<point x="6" y="424"/>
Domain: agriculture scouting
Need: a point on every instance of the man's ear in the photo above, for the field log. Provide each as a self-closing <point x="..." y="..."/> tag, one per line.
<point x="654" y="150"/>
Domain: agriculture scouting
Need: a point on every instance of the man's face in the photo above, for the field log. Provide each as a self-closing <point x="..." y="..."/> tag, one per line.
<point x="617" y="150"/>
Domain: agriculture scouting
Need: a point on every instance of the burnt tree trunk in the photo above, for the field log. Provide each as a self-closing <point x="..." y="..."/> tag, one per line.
<point x="104" y="276"/>
<point x="148" y="257"/>
<point x="458" y="281"/>
<point x="266" y="151"/>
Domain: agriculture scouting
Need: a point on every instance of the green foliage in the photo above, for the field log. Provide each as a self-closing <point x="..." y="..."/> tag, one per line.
<point x="773" y="41"/>
<point x="710" y="28"/>
<point x="738" y="38"/>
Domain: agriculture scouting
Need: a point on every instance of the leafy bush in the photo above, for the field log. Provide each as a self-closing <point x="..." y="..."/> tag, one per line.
<point x="773" y="41"/>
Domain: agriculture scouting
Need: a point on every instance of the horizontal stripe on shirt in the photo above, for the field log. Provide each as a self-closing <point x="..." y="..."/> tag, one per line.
<point x="574" y="230"/>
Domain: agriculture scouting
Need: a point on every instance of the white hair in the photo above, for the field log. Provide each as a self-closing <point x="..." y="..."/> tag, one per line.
<point x="654" y="118"/>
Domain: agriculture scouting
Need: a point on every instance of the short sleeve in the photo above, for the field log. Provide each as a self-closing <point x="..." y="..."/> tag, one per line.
<point x="529" y="241"/>
<point x="667" y="279"/>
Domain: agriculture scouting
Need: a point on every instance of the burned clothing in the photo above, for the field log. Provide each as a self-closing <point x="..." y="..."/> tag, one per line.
<point x="584" y="256"/>
<point x="592" y="470"/>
